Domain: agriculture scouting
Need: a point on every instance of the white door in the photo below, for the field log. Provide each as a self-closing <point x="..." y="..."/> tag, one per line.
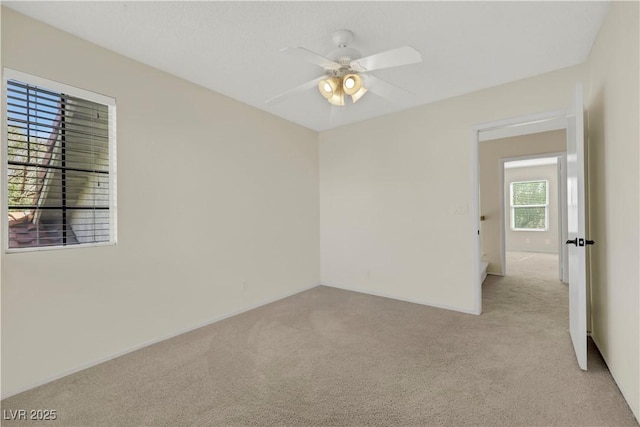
<point x="577" y="243"/>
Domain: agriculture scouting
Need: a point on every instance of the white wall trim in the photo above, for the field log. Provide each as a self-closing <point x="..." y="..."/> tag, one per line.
<point x="411" y="300"/>
<point x="563" y="220"/>
<point x="626" y="395"/>
<point x="151" y="342"/>
<point x="542" y="125"/>
<point x="11" y="74"/>
<point x="476" y="250"/>
<point x="521" y="120"/>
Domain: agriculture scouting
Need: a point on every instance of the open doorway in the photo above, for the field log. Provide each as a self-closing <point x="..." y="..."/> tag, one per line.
<point x="494" y="196"/>
<point x="534" y="217"/>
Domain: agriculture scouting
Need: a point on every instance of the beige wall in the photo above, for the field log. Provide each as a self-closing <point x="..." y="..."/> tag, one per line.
<point x="489" y="155"/>
<point x="533" y="241"/>
<point x="396" y="192"/>
<point x="218" y="212"/>
<point x="613" y="135"/>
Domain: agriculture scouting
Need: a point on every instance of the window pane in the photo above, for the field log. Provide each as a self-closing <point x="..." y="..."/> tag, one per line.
<point x="58" y="155"/>
<point x="529" y="218"/>
<point x="23" y="183"/>
<point x="48" y="230"/>
<point x="529" y="193"/>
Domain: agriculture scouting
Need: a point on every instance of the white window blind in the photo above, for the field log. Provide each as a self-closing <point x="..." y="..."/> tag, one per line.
<point x="530" y="205"/>
<point x="59" y="179"/>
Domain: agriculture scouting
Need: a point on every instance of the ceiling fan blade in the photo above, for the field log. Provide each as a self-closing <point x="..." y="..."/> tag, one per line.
<point x="391" y="58"/>
<point x="295" y="90"/>
<point x="312" y="57"/>
<point x="387" y="90"/>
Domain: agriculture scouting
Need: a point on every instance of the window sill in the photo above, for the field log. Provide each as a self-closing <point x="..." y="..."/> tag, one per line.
<point x="55" y="248"/>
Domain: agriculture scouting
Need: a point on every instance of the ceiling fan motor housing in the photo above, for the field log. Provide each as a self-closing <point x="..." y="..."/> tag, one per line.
<point x="342" y="37"/>
<point x="343" y="55"/>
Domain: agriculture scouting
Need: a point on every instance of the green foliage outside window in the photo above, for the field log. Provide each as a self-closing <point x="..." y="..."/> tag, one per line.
<point x="529" y="205"/>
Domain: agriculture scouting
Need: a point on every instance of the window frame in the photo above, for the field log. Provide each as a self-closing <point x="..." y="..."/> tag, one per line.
<point x="11" y="74"/>
<point x="545" y="205"/>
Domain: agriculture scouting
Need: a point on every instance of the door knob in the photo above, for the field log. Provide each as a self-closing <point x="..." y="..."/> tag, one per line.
<point x="580" y="242"/>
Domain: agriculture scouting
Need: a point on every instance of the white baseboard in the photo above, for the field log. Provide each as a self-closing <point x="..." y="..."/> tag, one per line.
<point x="151" y="342"/>
<point x="484" y="265"/>
<point x="624" y="394"/>
<point x="414" y="301"/>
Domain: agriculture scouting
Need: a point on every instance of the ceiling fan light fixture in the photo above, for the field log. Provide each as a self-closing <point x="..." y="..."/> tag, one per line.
<point x="337" y="98"/>
<point x="351" y="84"/>
<point x="329" y="87"/>
<point x="356" y="96"/>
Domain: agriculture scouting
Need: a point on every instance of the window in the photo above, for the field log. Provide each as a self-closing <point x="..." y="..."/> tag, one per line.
<point x="530" y="205"/>
<point x="59" y="146"/>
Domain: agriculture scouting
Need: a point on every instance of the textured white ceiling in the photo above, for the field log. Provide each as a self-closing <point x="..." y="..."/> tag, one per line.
<point x="234" y="47"/>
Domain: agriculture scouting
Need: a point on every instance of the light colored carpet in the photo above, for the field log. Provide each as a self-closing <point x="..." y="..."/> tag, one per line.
<point x="333" y="357"/>
<point x="533" y="265"/>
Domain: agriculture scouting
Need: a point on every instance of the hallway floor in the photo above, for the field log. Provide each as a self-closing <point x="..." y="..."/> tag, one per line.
<point x="532" y="265"/>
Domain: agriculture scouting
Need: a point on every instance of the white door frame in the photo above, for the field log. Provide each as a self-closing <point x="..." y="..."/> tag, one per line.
<point x="562" y="210"/>
<point x="514" y="126"/>
<point x="563" y="233"/>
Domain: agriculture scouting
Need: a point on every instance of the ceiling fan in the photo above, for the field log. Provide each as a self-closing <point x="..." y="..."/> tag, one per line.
<point x="346" y="72"/>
